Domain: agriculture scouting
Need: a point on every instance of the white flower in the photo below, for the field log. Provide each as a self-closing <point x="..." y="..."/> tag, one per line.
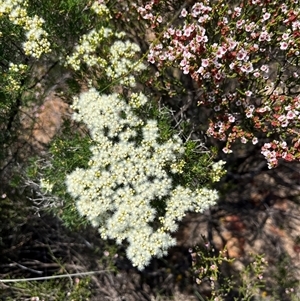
<point x="46" y="185"/>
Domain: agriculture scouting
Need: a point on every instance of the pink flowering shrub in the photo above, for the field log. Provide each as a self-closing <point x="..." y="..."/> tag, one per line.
<point x="244" y="59"/>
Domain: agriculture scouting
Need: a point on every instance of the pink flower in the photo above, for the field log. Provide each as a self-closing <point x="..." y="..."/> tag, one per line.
<point x="225" y="20"/>
<point x="220" y="52"/>
<point x="183" y="62"/>
<point x="232" y="65"/>
<point x="237" y="11"/>
<point x="266" y="16"/>
<point x="296" y="25"/>
<point x="285" y="36"/>
<point x="187" y="32"/>
<point x="263" y="109"/>
<point x="226" y="150"/>
<point x="264" y="68"/>
<point x="219" y="124"/>
<point x="171" y="31"/>
<point x="267" y="145"/>
<point x="283" y="45"/>
<point x="218" y="76"/>
<point x="200" y="70"/>
<point x="242" y="55"/>
<point x="159" y="19"/>
<point x="244" y="140"/>
<point x="249" y="114"/>
<point x="202" y="19"/>
<point x="196" y="9"/>
<point x="186" y="69"/>
<point x="231" y="118"/>
<point x="281" y="118"/>
<point x="200" y="39"/>
<point x="204" y="62"/>
<point x="170" y="57"/>
<point x="272" y="163"/>
<point x="178" y="33"/>
<point x="183" y="13"/>
<point x="162" y="57"/>
<point x="256" y="74"/>
<point x="283" y="144"/>
<point x="240" y="23"/>
<point x="186" y="54"/>
<point x="247" y="68"/>
<point x="151" y="58"/>
<point x="166" y="35"/>
<point x="148" y="16"/>
<point x="264" y="36"/>
<point x="232" y="45"/>
<point x="250" y="27"/>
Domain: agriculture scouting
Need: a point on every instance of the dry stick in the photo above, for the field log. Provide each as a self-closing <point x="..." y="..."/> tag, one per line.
<point x="53" y="277"/>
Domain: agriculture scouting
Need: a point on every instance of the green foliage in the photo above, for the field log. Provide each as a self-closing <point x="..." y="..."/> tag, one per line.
<point x="197" y="162"/>
<point x="284" y="281"/>
<point x="251" y="279"/>
<point x="68" y="20"/>
<point x="66" y="153"/>
<point x="49" y="290"/>
<point x="197" y="159"/>
<point x="209" y="267"/>
<point x="252" y="282"/>
<point x="13" y="214"/>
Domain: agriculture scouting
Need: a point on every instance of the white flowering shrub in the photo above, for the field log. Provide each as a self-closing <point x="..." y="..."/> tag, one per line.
<point x="21" y="35"/>
<point x="128" y="191"/>
<point x="36" y="37"/>
<point x="23" y="40"/>
<point x="131" y="188"/>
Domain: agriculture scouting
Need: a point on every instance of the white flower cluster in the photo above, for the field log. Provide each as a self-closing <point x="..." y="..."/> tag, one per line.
<point x="127" y="190"/>
<point x="46" y="185"/>
<point x="13" y="77"/>
<point x="18" y="68"/>
<point x="218" y="170"/>
<point x="122" y="62"/>
<point x="118" y="62"/>
<point x="85" y="50"/>
<point x="101" y="9"/>
<point x="36" y="43"/>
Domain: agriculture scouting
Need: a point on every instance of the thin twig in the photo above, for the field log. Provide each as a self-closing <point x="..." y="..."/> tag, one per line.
<point x="52" y="277"/>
